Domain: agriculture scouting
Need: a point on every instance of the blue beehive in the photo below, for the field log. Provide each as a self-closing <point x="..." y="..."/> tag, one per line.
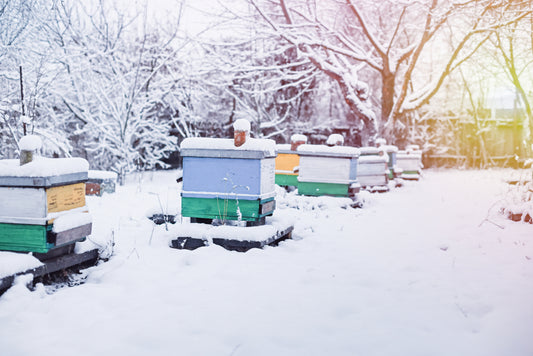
<point x="227" y="182"/>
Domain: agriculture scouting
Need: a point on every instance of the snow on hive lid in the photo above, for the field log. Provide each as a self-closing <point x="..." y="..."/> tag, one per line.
<point x="390" y="148"/>
<point x="333" y="151"/>
<point x="241" y="125"/>
<point x="373" y="159"/>
<point x="335" y="139"/>
<point x="298" y="137"/>
<point x="369" y="150"/>
<point x="284" y="148"/>
<point x="43" y="172"/>
<point x="381" y="141"/>
<point x="409" y="153"/>
<point x="30" y="143"/>
<point x="225" y="148"/>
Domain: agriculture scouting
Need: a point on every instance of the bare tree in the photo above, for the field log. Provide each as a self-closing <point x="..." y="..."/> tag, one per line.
<point x="261" y="80"/>
<point x="20" y="44"/>
<point x="114" y="84"/>
<point x="353" y="41"/>
<point x="513" y="47"/>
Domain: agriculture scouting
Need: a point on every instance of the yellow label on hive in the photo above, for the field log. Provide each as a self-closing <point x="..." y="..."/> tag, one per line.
<point x="65" y="197"/>
<point x="286" y="162"/>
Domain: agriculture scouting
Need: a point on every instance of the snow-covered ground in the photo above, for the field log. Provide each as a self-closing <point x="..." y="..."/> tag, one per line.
<point x="431" y="268"/>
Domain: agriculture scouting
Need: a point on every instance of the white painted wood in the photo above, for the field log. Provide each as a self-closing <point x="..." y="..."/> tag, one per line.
<point x="324" y="169"/>
<point x="365" y="168"/>
<point x="409" y="162"/>
<point x="372" y="180"/>
<point x="22" y="202"/>
<point x="23" y="221"/>
<point x="268" y="174"/>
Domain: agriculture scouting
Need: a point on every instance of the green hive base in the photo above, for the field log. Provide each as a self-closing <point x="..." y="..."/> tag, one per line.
<point x="226" y="209"/>
<point x="319" y="189"/>
<point x="28" y="238"/>
<point x="38" y="238"/>
<point x="287" y="180"/>
<point x="411" y="175"/>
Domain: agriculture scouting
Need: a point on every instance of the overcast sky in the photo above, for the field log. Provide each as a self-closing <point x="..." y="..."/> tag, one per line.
<point x="197" y="14"/>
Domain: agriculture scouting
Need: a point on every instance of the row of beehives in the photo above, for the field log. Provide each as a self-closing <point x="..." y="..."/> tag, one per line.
<point x="229" y="179"/>
<point x="304" y="166"/>
<point x="43" y="202"/>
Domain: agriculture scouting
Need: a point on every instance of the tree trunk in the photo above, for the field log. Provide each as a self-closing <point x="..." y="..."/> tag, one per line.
<point x="387" y="99"/>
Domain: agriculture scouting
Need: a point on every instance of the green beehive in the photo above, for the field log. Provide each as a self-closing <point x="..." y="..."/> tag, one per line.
<point x="43" y="204"/>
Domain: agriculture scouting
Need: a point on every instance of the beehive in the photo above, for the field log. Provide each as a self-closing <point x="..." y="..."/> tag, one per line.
<point x="410" y="161"/>
<point x="373" y="167"/>
<point x="326" y="170"/>
<point x="43" y="204"/>
<point x="222" y="181"/>
<point x="392" y="151"/>
<point x="100" y="182"/>
<point x="287" y="161"/>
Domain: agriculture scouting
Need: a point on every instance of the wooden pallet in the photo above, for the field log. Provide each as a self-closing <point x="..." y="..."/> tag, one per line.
<point x="52" y="265"/>
<point x="192" y="243"/>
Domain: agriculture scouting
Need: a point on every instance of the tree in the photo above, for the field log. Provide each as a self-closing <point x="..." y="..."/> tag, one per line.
<point x="113" y="84"/>
<point x="514" y="47"/>
<point x="351" y="42"/>
<point x="17" y="32"/>
<point x="261" y="82"/>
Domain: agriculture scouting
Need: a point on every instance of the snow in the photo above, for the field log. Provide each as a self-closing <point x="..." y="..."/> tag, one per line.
<point x="373" y="159"/>
<point x="283" y="147"/>
<point x="43" y="167"/>
<point x="335" y="139"/>
<point x="370" y="150"/>
<point x="241" y="233"/>
<point x="431" y="268"/>
<point x="299" y="138"/>
<point x="389" y="148"/>
<point x="95" y="174"/>
<point x="251" y="144"/>
<point x="381" y="141"/>
<point x="241" y="125"/>
<point x="410" y="154"/>
<point x="30" y="143"/>
<point x="25" y="119"/>
<point x="11" y="263"/>
<point x="71" y="220"/>
<point x="323" y="149"/>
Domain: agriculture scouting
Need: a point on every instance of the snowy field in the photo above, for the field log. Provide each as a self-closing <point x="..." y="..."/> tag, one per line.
<point x="427" y="269"/>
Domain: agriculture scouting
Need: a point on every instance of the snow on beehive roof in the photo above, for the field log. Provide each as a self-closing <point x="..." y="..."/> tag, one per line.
<point x="369" y="150"/>
<point x="30" y="143"/>
<point x="252" y="144"/>
<point x="390" y="148"/>
<point x="298" y="137"/>
<point x="381" y="141"/>
<point x="334" y="138"/>
<point x="329" y="150"/>
<point x="283" y="147"/>
<point x="409" y="153"/>
<point x="241" y="125"/>
<point x="371" y="158"/>
<point x="43" y="167"/>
